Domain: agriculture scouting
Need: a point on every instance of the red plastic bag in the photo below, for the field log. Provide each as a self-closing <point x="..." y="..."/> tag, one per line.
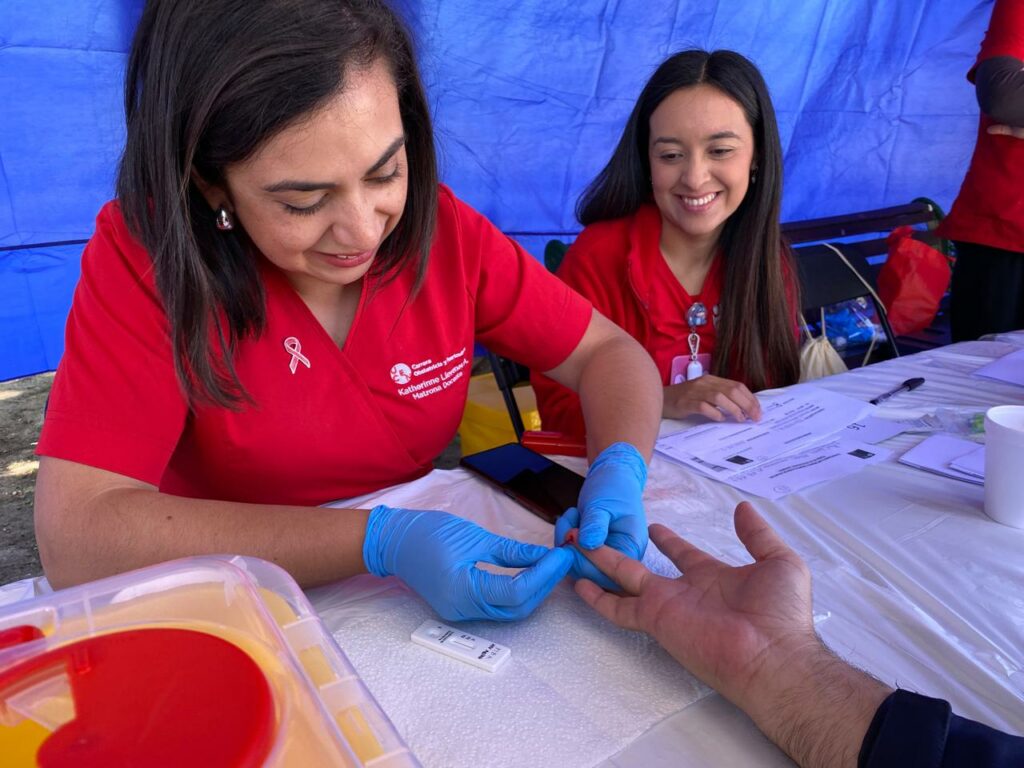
<point x="912" y="282"/>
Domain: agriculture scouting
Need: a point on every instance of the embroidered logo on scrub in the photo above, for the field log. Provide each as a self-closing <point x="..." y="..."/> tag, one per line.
<point x="430" y="376"/>
<point x="294" y="348"/>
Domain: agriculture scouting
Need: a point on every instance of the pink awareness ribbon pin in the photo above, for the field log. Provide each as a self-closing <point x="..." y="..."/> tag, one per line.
<point x="291" y="344"/>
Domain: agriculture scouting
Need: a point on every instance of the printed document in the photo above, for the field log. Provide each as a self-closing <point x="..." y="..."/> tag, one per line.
<point x="843" y="455"/>
<point x="791" y="420"/>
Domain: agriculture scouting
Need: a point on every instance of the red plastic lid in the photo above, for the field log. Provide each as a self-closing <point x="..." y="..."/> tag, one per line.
<point x="23" y="633"/>
<point x="154" y="697"/>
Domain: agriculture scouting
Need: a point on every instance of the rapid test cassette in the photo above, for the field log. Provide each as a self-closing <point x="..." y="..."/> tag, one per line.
<point x="461" y="645"/>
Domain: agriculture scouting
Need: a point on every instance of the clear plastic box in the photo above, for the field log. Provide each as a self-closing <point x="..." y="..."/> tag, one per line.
<point x="53" y="648"/>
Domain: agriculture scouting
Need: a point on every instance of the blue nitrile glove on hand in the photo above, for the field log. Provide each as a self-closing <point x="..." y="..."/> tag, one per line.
<point x="610" y="511"/>
<point x="435" y="553"/>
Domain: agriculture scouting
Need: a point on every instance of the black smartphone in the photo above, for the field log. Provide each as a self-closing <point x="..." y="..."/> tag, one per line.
<point x="545" y="488"/>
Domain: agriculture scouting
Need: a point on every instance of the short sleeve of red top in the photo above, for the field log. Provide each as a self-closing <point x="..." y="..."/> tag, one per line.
<point x="371" y="414"/>
<point x="990" y="207"/>
<point x="618" y="265"/>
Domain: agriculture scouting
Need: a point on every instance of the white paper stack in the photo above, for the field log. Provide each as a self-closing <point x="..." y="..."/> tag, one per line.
<point x="805" y="436"/>
<point x="1008" y="368"/>
<point x="948" y="456"/>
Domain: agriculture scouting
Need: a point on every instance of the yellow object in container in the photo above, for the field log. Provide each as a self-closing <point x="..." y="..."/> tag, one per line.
<point x="486" y="423"/>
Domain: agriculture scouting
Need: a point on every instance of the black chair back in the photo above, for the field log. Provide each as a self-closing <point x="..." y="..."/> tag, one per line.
<point x="508" y="373"/>
<point x="826" y="279"/>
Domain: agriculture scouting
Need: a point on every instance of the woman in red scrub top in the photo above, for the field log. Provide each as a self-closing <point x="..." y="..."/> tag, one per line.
<point x="279" y="310"/>
<point x="987" y="218"/>
<point x="682" y="247"/>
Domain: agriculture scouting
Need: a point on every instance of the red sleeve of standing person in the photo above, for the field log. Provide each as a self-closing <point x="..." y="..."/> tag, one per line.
<point x="989" y="210"/>
<point x="1005" y="35"/>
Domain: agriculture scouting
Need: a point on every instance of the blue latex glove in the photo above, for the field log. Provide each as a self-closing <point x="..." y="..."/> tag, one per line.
<point x="435" y="553"/>
<point x="610" y="510"/>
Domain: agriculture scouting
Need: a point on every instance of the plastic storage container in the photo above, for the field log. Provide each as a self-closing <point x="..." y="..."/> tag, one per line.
<point x="204" y="661"/>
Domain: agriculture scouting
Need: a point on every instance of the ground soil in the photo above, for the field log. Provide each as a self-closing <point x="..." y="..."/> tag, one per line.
<point x="21" y="415"/>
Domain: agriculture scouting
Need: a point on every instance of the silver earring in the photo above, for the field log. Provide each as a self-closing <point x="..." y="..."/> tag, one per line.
<point x="224" y="222"/>
<point x="753" y="175"/>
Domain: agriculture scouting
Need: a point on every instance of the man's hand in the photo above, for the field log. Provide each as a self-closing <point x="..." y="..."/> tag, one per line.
<point x="723" y="623"/>
<point x="713" y="397"/>
<point x="747" y="631"/>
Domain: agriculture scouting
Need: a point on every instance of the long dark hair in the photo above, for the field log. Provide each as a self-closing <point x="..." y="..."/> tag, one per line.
<point x="756" y="340"/>
<point x="207" y="84"/>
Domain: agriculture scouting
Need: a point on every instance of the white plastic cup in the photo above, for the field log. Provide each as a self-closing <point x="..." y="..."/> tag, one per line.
<point x="1004" y="464"/>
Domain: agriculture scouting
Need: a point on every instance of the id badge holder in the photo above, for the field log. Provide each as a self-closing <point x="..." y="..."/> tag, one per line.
<point x="688" y="368"/>
<point x="677" y="373"/>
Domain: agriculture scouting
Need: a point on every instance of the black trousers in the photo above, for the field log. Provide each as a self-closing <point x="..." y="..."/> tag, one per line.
<point x="987" y="291"/>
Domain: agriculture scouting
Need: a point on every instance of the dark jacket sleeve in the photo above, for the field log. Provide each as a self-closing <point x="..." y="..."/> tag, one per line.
<point x="914" y="731"/>
<point x="999" y="83"/>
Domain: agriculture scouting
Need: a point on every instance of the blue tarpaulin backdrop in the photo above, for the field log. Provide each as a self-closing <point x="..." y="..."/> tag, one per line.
<point x="529" y="98"/>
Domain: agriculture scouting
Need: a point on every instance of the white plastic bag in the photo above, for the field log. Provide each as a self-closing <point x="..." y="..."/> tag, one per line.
<point x="818" y="358"/>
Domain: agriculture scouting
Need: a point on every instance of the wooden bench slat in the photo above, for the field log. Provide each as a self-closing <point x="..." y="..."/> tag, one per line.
<point x="860" y="223"/>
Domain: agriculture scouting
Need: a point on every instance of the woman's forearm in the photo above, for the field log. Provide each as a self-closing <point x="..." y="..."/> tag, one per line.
<point x="619" y="388"/>
<point x="621" y="397"/>
<point x="91" y="524"/>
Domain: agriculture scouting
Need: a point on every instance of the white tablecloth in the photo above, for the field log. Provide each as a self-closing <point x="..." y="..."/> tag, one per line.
<point x="911" y="582"/>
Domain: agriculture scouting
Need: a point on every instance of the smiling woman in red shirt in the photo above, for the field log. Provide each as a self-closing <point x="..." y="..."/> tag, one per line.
<point x="682" y="246"/>
<point x="279" y="311"/>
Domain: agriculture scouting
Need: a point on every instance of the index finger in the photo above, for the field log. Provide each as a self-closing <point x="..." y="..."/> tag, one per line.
<point x="621" y="611"/>
<point x="750" y="403"/>
<point x="745" y="399"/>
<point x="510" y="553"/>
<point x="628" y="573"/>
<point x="528" y="587"/>
<point x="728" y="405"/>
